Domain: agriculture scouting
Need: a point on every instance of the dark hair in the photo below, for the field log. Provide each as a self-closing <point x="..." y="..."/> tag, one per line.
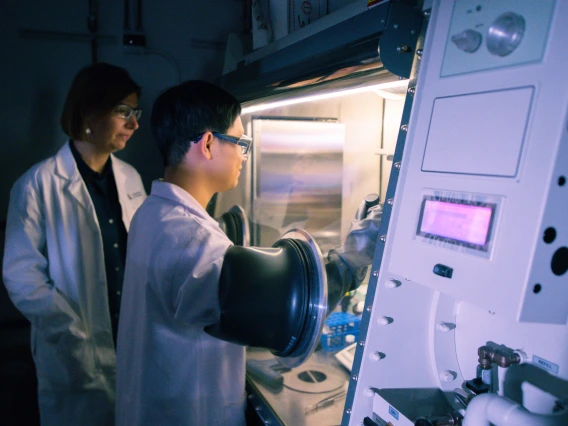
<point x="185" y="111"/>
<point x="95" y="91"/>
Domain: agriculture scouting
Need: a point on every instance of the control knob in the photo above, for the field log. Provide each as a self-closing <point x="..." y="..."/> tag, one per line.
<point x="468" y="40"/>
<point x="505" y="34"/>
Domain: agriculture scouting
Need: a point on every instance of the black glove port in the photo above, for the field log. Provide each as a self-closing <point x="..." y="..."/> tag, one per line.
<point x="274" y="298"/>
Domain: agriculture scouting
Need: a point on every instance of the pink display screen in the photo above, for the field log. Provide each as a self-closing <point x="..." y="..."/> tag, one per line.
<point x="461" y="222"/>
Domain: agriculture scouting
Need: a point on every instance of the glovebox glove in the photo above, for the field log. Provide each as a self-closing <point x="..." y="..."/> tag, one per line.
<point x="235" y="225"/>
<point x="347" y="264"/>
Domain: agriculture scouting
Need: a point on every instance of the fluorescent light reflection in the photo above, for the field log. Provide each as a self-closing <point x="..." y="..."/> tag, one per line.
<point x="378" y="88"/>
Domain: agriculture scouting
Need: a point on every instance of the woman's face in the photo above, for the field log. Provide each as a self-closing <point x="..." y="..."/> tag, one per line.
<point x="111" y="132"/>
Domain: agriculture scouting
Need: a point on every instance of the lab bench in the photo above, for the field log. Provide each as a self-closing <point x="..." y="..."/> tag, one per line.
<point x="312" y="394"/>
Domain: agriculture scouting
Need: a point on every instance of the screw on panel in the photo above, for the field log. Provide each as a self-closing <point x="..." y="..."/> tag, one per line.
<point x="403" y="48"/>
<point x="348" y="410"/>
<point x="369" y="308"/>
<point x="397" y="165"/>
<point x="390" y="201"/>
<point x="375" y="273"/>
<point x="426" y="13"/>
<point x="404" y="127"/>
<point x="362" y="343"/>
<point x="395" y="26"/>
<point x="354" y="377"/>
<point x="448" y="376"/>
<point x="445" y="326"/>
<point x="376" y="356"/>
<point x="383" y="238"/>
<point x="419" y="53"/>
<point x="412" y="90"/>
<point x="392" y="283"/>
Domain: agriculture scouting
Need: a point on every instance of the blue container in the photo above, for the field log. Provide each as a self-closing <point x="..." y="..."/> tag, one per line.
<point x="337" y="327"/>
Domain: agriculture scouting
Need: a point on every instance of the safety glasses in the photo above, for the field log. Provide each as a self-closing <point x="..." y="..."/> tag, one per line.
<point x="245" y="142"/>
<point x="125" y="111"/>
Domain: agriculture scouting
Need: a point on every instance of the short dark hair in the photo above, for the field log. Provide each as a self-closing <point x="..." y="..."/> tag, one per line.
<point x="185" y="111"/>
<point x="95" y="91"/>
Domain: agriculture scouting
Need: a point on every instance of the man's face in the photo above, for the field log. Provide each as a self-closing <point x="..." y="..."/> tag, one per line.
<point x="228" y="159"/>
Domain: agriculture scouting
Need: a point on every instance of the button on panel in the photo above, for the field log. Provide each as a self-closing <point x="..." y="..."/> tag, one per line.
<point x="443" y="270"/>
<point x="468" y="40"/>
<point x="505" y="34"/>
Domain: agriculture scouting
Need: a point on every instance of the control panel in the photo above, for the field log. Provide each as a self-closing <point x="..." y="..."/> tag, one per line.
<point x="488" y="34"/>
<point x="466" y="321"/>
<point x="474" y="188"/>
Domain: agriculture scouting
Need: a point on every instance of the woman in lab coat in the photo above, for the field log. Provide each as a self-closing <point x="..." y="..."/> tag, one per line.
<point x="65" y="248"/>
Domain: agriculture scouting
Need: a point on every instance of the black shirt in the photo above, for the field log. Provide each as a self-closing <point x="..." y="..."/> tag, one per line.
<point x="102" y="189"/>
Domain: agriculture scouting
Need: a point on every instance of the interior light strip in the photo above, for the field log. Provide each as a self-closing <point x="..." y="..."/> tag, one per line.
<point x="317" y="97"/>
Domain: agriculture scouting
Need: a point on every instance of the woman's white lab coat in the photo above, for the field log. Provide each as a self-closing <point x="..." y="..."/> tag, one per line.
<point x="55" y="275"/>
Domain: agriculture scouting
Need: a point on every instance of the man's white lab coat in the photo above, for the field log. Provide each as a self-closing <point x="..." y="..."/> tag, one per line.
<point x="169" y="371"/>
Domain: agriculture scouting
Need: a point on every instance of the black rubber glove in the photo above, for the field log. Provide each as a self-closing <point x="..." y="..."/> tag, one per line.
<point x="234" y="224"/>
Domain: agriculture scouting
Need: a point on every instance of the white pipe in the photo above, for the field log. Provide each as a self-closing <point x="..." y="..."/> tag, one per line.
<point x="487" y="409"/>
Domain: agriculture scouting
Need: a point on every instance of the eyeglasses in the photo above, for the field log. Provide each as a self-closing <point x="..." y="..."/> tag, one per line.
<point x="245" y="142"/>
<point x="126" y="111"/>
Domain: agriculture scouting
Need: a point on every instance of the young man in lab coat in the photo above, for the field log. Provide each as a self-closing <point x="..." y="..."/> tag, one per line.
<point x="169" y="370"/>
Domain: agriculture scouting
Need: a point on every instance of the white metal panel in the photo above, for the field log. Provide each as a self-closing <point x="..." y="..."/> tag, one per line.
<point x="505" y="274"/>
<point x="479" y="134"/>
<point x="515" y="296"/>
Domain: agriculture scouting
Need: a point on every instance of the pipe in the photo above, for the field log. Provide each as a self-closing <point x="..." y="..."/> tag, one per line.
<point x="93" y="25"/>
<point x="138" y="25"/>
<point x="126" y="24"/>
<point x="487" y="409"/>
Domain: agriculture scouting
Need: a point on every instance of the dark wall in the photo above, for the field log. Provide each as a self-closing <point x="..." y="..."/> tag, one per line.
<point x="44" y="44"/>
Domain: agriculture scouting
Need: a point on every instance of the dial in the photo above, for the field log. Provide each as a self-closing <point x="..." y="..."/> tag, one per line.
<point x="505" y="34"/>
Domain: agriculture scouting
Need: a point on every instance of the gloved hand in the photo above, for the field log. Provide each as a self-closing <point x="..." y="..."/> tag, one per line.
<point x="235" y="225"/>
<point x="347" y="264"/>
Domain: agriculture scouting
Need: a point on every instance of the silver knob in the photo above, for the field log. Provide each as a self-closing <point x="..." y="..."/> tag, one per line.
<point x="468" y="40"/>
<point x="505" y="34"/>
